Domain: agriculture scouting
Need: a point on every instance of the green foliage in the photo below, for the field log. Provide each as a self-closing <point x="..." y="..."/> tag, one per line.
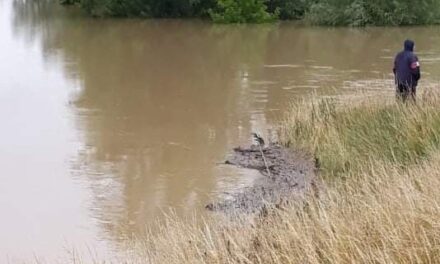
<point x="290" y="9"/>
<point x="317" y="12"/>
<point x="374" y="12"/>
<point x="242" y="11"/>
<point x="146" y="8"/>
<point x="69" y="2"/>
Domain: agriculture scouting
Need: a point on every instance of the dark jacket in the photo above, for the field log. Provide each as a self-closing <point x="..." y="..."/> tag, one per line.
<point x="406" y="66"/>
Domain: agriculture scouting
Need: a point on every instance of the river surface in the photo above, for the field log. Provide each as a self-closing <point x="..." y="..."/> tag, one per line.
<point x="106" y="123"/>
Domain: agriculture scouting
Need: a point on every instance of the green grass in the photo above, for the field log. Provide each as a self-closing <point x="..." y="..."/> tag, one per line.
<point x="345" y="137"/>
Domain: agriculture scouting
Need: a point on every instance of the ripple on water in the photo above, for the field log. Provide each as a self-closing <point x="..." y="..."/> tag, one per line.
<point x="292" y="66"/>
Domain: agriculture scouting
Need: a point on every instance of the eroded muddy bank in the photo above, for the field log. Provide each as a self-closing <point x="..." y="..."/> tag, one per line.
<point x="287" y="175"/>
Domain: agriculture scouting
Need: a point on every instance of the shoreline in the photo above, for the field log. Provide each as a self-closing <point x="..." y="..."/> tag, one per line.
<point x="287" y="175"/>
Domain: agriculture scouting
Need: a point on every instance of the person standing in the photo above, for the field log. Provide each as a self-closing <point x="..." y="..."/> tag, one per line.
<point x="406" y="72"/>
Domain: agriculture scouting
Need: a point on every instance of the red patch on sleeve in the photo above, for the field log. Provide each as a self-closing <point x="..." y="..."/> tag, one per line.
<point x="415" y="64"/>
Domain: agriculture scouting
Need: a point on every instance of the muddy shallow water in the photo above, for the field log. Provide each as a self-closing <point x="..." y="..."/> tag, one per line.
<point x="105" y="123"/>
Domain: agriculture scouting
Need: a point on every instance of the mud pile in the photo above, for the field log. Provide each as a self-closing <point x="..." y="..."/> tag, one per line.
<point x="287" y="175"/>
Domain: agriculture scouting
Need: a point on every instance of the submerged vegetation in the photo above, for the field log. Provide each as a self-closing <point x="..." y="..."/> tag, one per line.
<point x="318" y="12"/>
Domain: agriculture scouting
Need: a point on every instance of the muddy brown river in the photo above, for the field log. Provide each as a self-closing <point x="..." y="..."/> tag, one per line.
<point x="106" y="123"/>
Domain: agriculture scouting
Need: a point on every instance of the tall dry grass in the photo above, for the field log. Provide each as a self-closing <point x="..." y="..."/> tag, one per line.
<point x="385" y="215"/>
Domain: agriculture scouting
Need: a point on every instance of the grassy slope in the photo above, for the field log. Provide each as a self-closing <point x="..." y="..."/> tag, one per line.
<point x="346" y="137"/>
<point x="381" y="216"/>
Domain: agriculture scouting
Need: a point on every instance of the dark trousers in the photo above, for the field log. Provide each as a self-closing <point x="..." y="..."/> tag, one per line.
<point x="405" y="91"/>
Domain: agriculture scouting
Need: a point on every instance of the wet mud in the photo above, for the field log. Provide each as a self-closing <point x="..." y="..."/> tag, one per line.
<point x="287" y="175"/>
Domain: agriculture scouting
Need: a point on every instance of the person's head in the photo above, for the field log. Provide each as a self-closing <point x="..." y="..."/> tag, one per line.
<point x="409" y="45"/>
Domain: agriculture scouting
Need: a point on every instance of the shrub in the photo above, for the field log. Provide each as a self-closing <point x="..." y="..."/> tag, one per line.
<point x="289" y="9"/>
<point x="318" y="12"/>
<point x="242" y="11"/>
<point x="145" y="8"/>
<point x="373" y="12"/>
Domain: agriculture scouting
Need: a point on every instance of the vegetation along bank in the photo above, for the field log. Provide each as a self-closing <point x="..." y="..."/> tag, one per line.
<point x="315" y="12"/>
<point x="380" y="163"/>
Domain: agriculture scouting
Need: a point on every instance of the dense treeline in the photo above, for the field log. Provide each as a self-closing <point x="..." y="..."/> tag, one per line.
<point x="319" y="12"/>
<point x="374" y="12"/>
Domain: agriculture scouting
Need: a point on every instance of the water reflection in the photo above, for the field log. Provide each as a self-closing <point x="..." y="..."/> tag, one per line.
<point x="158" y="116"/>
<point x="159" y="103"/>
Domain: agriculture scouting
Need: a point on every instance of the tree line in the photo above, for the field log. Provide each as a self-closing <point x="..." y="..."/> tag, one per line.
<point x="316" y="12"/>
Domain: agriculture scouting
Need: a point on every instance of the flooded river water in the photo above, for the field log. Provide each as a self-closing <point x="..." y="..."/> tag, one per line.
<point x="105" y="123"/>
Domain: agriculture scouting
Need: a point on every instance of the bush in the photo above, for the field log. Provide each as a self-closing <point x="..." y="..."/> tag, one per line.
<point x="69" y="2"/>
<point x="242" y="11"/>
<point x="145" y="8"/>
<point x="289" y="9"/>
<point x="373" y="12"/>
<point x="317" y="12"/>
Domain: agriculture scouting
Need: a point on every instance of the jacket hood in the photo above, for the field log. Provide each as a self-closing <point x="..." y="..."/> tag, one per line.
<point x="409" y="45"/>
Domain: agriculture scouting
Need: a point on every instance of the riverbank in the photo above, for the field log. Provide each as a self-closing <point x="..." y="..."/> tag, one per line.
<point x="381" y="164"/>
